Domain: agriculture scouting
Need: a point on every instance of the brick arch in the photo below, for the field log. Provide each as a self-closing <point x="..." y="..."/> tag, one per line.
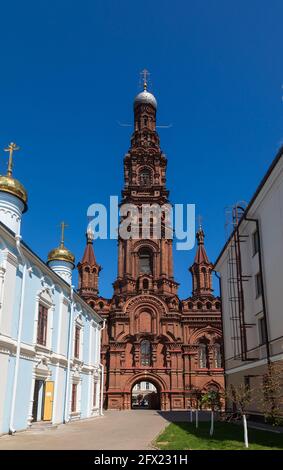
<point x="207" y="331"/>
<point x="145" y="301"/>
<point x="156" y="380"/>
<point x="145" y="244"/>
<point x="145" y="320"/>
<point x="212" y="383"/>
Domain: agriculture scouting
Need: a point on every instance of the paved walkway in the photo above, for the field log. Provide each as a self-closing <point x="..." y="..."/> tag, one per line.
<point x="116" y="430"/>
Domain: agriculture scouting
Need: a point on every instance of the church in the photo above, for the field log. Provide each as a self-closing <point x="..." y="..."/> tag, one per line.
<point x="151" y="335"/>
<point x="49" y="336"/>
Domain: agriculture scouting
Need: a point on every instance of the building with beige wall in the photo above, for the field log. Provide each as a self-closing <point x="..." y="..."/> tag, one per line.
<point x="251" y="270"/>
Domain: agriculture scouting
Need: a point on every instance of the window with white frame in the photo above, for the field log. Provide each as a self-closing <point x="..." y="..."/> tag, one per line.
<point x="42" y="324"/>
<point x="78" y="339"/>
<point x="44" y="309"/>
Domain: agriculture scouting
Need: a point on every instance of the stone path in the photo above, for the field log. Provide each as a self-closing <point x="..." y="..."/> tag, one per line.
<point x="117" y="430"/>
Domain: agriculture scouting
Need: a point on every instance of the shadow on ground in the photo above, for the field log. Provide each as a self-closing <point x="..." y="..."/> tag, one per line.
<point x="183" y="416"/>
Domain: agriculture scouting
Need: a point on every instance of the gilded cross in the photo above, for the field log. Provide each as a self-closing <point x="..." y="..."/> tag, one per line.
<point x="145" y="75"/>
<point x="63" y="226"/>
<point x="12" y="147"/>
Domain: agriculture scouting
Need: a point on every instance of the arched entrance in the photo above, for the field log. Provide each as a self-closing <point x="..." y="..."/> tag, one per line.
<point x="145" y="395"/>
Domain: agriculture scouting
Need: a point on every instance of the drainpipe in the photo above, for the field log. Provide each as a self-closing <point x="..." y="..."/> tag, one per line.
<point x="102" y="378"/>
<point x="12" y="430"/>
<point x="67" y="392"/>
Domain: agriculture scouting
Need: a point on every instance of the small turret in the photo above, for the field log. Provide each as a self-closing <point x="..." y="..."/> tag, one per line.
<point x="61" y="260"/>
<point x="201" y="269"/>
<point x="13" y="196"/>
<point x="89" y="270"/>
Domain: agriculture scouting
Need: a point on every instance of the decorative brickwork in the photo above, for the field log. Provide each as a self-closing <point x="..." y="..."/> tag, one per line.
<point x="184" y="336"/>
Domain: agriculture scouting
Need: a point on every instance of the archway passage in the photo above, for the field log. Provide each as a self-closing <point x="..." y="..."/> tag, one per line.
<point x="145" y="396"/>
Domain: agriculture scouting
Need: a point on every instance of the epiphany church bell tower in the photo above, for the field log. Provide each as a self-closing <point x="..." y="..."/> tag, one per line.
<point x="152" y="336"/>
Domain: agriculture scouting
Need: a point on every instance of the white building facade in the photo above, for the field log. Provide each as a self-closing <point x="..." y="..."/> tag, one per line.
<point x="251" y="272"/>
<point x="50" y="368"/>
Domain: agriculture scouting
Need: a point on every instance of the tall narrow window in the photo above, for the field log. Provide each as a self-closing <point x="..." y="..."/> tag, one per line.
<point x="262" y="331"/>
<point x="77" y="341"/>
<point x="74" y="398"/>
<point x="145" y="284"/>
<point x="145" y="261"/>
<point x="42" y="325"/>
<point x="247" y="382"/>
<point x="202" y="356"/>
<point x="145" y="353"/>
<point x="255" y="242"/>
<point x="217" y="357"/>
<point x="145" y="177"/>
<point x="258" y="288"/>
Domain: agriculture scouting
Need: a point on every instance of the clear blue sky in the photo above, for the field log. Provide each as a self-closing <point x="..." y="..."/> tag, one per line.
<point x="70" y="71"/>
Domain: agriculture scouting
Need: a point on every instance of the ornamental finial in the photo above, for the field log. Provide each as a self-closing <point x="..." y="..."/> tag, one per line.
<point x="89" y="234"/>
<point x="63" y="226"/>
<point x="200" y="233"/>
<point x="12" y="147"/>
<point x="145" y="74"/>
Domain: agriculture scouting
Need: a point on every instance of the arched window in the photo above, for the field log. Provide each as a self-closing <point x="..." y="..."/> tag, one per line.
<point x="203" y="270"/>
<point x="145" y="353"/>
<point x="145" y="261"/>
<point x="202" y="356"/>
<point x="145" y="177"/>
<point x="145" y="284"/>
<point x="217" y="357"/>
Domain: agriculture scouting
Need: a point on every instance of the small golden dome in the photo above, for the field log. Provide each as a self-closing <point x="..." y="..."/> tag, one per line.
<point x="61" y="254"/>
<point x="10" y="185"/>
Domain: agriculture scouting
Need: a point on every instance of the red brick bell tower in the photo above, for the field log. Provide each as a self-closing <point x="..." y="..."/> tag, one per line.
<point x="151" y="335"/>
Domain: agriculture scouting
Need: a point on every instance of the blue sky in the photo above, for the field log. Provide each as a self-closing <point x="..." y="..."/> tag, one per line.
<point x="70" y="71"/>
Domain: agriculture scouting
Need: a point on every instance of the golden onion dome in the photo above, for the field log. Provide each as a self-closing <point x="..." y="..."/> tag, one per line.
<point x="10" y="185"/>
<point x="61" y="254"/>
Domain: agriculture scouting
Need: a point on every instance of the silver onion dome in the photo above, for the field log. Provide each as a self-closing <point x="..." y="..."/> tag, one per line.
<point x="145" y="98"/>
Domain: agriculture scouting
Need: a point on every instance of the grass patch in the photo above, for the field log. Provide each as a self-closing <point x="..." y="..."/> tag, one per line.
<point x="184" y="436"/>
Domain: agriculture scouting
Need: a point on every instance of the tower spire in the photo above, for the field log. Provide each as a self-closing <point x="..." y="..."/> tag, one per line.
<point x="201" y="269"/>
<point x="89" y="270"/>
